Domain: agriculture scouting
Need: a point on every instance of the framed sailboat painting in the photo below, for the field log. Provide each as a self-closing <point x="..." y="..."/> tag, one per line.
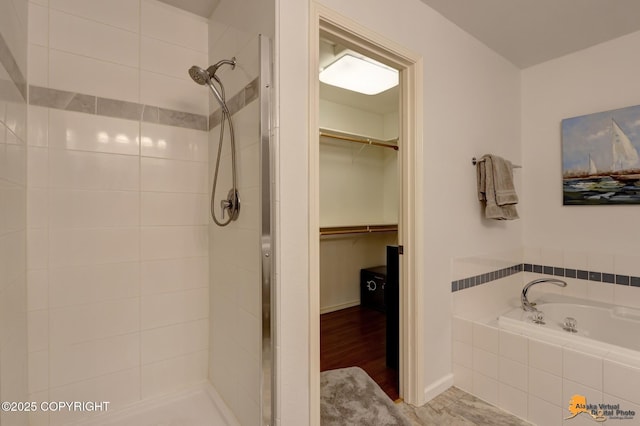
<point x="600" y="160"/>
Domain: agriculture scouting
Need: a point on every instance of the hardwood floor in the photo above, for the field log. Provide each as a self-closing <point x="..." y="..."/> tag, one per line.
<point x="356" y="337"/>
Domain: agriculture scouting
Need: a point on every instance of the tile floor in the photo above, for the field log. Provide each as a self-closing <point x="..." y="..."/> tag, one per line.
<point x="455" y="407"/>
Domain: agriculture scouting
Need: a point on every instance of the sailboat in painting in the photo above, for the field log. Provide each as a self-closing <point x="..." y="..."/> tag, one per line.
<point x="625" y="156"/>
<point x="601" y="163"/>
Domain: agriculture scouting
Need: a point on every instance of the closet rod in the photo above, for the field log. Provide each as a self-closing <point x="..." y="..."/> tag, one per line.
<point x="364" y="229"/>
<point x="359" y="139"/>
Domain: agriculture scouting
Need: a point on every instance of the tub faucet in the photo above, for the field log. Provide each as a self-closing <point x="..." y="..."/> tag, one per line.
<point x="531" y="306"/>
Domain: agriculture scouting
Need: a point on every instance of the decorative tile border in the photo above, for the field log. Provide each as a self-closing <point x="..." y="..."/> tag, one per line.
<point x="9" y="63"/>
<point x="70" y="101"/>
<point x="237" y="102"/>
<point x="485" y="278"/>
<point x="603" y="277"/>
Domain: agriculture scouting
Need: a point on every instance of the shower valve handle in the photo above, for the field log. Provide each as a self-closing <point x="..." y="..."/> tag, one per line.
<point x="225" y="205"/>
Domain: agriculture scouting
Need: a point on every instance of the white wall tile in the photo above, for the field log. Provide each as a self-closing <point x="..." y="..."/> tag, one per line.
<point x="38" y="72"/>
<point x="622" y="381"/>
<point x="533" y="255"/>
<point x="95" y="40"/>
<point x="173" y="176"/>
<point x="174" y="143"/>
<point x="582" y="368"/>
<point x="38" y="167"/>
<point x="93" y="246"/>
<point x="173" y="93"/>
<point x="171" y="308"/>
<point x="169" y="59"/>
<point x="167" y="208"/>
<point x="172" y="374"/>
<point x="545" y="386"/>
<point x="38" y="131"/>
<point x="119" y="13"/>
<point x="90" y="76"/>
<point x="576" y="260"/>
<point x="82" y="323"/>
<point x="513" y="400"/>
<point x="552" y="257"/>
<point x="86" y="132"/>
<point x="543" y="413"/>
<point x="120" y="389"/>
<point x="514" y="346"/>
<point x="38" y="25"/>
<point x="462" y="354"/>
<point x="173" y="242"/>
<point x="485" y="363"/>
<point x="91" y="359"/>
<point x="168" y="275"/>
<point x="96" y="283"/>
<point x="174" y="26"/>
<point x="37" y="290"/>
<point x="38" y="371"/>
<point x="463" y="377"/>
<point x="37" y="248"/>
<point x="38" y="330"/>
<point x="88" y="170"/>
<point x="463" y="330"/>
<point x="600" y="262"/>
<point x="485" y="388"/>
<point x="626" y="265"/>
<point x="546" y="357"/>
<point x="180" y="339"/>
<point x="247" y="330"/>
<point x="486" y="338"/>
<point x="513" y="374"/>
<point x="93" y="209"/>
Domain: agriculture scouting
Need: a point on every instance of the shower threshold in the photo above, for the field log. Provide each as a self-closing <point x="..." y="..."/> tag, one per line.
<point x="197" y="406"/>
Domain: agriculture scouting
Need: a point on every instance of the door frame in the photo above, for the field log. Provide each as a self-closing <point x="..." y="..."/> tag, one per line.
<point x="410" y="221"/>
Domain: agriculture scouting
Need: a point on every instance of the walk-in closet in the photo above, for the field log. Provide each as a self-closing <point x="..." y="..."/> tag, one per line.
<point x="359" y="206"/>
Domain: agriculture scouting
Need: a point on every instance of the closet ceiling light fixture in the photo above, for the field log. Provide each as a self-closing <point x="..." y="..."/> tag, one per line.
<point x="363" y="75"/>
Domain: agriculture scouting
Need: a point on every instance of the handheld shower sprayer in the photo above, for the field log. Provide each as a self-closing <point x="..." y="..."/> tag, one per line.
<point x="231" y="204"/>
<point x="204" y="76"/>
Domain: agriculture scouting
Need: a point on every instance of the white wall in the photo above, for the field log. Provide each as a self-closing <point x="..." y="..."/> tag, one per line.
<point x="471" y="106"/>
<point x="117" y="247"/>
<point x="597" y="79"/>
<point x="13" y="202"/>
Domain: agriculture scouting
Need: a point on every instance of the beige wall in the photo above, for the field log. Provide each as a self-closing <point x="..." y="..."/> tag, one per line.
<point x="471" y="106"/>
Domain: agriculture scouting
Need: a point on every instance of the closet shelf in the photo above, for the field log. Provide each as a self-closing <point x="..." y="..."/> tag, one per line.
<point x="358" y="229"/>
<point x="348" y="137"/>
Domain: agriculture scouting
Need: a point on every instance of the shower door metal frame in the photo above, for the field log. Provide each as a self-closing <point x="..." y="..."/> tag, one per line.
<point x="267" y="252"/>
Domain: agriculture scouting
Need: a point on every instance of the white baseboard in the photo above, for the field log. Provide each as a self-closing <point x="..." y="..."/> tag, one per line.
<point x="333" y="308"/>
<point x="438" y="387"/>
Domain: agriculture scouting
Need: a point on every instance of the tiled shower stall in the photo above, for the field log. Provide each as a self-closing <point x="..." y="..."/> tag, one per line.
<point x="104" y="238"/>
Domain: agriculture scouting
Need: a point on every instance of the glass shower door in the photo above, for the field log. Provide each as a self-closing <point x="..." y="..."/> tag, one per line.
<point x="241" y="254"/>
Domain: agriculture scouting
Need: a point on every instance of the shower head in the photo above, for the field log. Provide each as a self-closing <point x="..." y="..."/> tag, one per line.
<point x="202" y="77"/>
<point x="199" y="75"/>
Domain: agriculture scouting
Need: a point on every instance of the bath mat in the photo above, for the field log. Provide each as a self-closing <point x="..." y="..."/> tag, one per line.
<point x="349" y="397"/>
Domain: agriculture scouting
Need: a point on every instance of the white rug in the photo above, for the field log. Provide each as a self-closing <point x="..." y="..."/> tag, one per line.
<point x="349" y="397"/>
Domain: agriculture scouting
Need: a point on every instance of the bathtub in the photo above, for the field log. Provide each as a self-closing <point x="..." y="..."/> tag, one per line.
<point x="601" y="326"/>
<point x="198" y="406"/>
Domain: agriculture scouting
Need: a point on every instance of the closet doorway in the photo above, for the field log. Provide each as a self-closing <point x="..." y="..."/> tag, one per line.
<point x="359" y="204"/>
<point x="365" y="199"/>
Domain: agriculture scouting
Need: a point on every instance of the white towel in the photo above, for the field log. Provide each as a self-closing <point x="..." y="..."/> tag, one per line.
<point x="496" y="189"/>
